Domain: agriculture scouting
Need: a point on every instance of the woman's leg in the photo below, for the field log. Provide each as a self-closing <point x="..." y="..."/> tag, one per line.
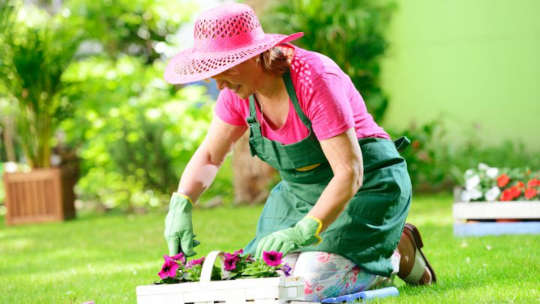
<point x="330" y="275"/>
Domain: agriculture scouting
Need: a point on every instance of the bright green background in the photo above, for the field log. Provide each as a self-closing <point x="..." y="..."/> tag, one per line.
<point x="475" y="63"/>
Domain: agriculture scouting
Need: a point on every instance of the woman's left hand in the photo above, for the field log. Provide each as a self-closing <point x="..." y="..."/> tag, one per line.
<point x="304" y="233"/>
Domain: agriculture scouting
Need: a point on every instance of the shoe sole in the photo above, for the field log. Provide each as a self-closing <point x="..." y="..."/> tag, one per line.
<point x="417" y="239"/>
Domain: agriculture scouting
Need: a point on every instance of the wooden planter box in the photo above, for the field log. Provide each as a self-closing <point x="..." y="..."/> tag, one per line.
<point x="256" y="291"/>
<point x="495" y="218"/>
<point x="40" y="195"/>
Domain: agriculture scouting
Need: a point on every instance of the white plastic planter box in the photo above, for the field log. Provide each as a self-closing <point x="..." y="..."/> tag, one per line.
<point x="468" y="214"/>
<point x="256" y="291"/>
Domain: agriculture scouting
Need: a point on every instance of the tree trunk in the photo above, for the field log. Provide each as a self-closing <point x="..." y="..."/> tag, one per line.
<point x="8" y="139"/>
<point x="252" y="177"/>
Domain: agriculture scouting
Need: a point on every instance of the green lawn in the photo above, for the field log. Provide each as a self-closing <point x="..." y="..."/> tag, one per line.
<point x="104" y="257"/>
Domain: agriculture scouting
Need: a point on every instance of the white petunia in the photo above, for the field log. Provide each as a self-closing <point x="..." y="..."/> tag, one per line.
<point x="469" y="173"/>
<point x="472" y="182"/>
<point x="475" y="193"/>
<point x="492" y="172"/>
<point x="482" y="166"/>
<point x="492" y="194"/>
<point x="465" y="197"/>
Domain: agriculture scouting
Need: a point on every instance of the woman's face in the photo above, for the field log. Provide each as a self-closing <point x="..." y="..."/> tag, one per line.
<point x="241" y="78"/>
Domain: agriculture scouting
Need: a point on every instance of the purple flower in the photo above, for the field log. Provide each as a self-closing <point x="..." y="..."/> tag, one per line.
<point x="286" y="269"/>
<point x="168" y="270"/>
<point x="230" y="264"/>
<point x="239" y="252"/>
<point x="195" y="262"/>
<point x="272" y="258"/>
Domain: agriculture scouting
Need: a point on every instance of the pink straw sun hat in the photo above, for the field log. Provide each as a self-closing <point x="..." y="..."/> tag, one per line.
<point x="223" y="37"/>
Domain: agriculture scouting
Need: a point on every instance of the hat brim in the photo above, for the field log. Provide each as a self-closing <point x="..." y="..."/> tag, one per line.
<point x="191" y="65"/>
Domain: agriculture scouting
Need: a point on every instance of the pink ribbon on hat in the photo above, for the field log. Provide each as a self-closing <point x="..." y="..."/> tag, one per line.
<point x="229" y="43"/>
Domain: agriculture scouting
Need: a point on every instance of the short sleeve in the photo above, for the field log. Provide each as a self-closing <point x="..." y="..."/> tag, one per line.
<point x="228" y="108"/>
<point x="329" y="106"/>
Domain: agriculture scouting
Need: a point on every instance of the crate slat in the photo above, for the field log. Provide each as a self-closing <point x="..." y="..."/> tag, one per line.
<point x="266" y="290"/>
<point x="497" y="210"/>
<point x="482" y="229"/>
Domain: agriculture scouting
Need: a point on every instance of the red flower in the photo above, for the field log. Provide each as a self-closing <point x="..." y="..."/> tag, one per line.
<point x="520" y="185"/>
<point x="530" y="193"/>
<point x="533" y="183"/>
<point x="515" y="192"/>
<point x="506" y="195"/>
<point x="502" y="180"/>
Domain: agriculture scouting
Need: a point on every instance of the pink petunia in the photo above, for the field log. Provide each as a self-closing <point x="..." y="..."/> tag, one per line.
<point x="230" y="264"/>
<point x="272" y="258"/>
<point x="239" y="252"/>
<point x="195" y="262"/>
<point x="177" y="258"/>
<point x="169" y="268"/>
<point x="229" y="256"/>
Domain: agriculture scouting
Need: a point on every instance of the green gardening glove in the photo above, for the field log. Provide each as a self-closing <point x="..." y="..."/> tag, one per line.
<point x="304" y="233"/>
<point x="178" y="227"/>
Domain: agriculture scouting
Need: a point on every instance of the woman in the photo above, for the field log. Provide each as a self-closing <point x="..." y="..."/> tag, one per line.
<point x="339" y="212"/>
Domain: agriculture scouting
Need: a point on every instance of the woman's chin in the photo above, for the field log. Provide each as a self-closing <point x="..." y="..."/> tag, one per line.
<point x="242" y="94"/>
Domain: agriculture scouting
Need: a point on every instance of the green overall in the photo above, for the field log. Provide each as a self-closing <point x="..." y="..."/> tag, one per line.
<point x="369" y="229"/>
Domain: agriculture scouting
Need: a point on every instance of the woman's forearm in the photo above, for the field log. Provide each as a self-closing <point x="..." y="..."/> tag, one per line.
<point x="199" y="174"/>
<point x="335" y="197"/>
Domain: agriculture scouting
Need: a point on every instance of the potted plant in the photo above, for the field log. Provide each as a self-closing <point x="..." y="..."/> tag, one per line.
<point x="498" y="201"/>
<point x="32" y="62"/>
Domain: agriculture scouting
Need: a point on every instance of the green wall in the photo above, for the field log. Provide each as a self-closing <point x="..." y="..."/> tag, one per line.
<point x="475" y="63"/>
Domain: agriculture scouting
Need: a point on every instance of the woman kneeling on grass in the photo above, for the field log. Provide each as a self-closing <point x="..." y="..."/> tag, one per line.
<point x="339" y="212"/>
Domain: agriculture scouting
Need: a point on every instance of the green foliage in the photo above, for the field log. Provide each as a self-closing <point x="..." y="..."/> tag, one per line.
<point x="7" y="9"/>
<point x="259" y="269"/>
<point x="349" y="31"/>
<point x="2" y="191"/>
<point x="137" y="133"/>
<point x="34" y="59"/>
<point x="435" y="163"/>
<point x="131" y="27"/>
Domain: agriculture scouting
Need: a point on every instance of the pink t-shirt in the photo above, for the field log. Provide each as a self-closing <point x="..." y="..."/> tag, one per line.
<point x="326" y="95"/>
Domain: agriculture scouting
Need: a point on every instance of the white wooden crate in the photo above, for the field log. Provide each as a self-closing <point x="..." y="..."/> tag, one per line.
<point x="256" y="291"/>
<point x="464" y="212"/>
<point x="494" y="210"/>
<point x="497" y="210"/>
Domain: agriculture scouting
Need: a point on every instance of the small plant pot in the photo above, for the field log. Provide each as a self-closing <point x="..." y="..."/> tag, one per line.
<point x="41" y="195"/>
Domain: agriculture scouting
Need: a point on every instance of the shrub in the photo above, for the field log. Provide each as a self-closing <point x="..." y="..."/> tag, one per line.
<point x="348" y="31"/>
<point x="138" y="133"/>
<point x="435" y="163"/>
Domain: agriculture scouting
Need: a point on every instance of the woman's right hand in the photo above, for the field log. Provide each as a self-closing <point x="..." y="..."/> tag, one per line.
<point x="178" y="226"/>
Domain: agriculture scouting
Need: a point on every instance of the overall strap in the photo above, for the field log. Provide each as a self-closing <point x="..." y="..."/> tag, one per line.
<point x="292" y="94"/>
<point x="252" y="118"/>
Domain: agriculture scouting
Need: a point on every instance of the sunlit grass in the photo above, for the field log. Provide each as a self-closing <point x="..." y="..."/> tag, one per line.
<point x="104" y="257"/>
